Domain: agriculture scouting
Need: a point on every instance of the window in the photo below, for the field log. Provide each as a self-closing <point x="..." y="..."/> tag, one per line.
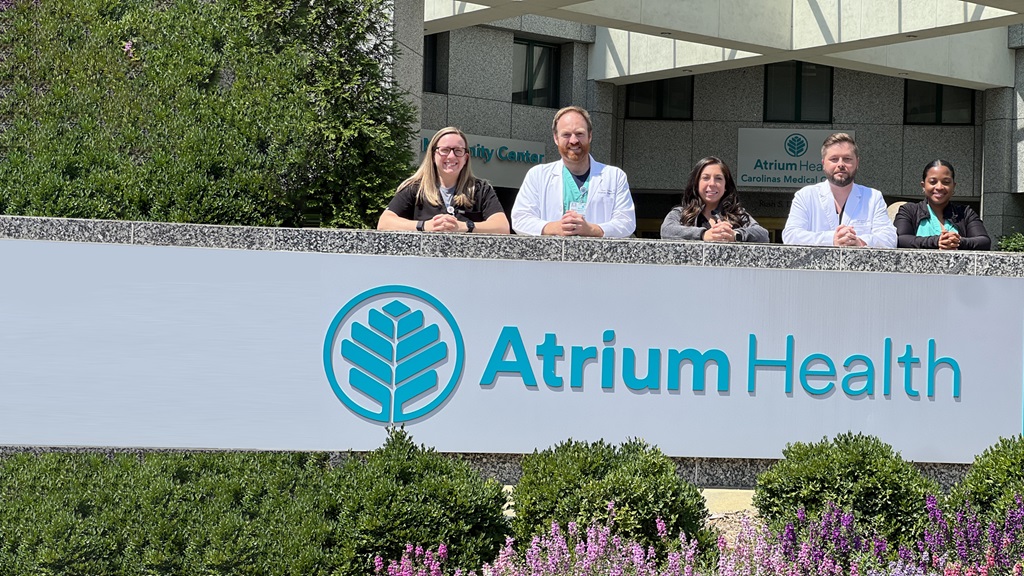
<point x="797" y="92"/>
<point x="430" y="63"/>
<point x="669" y="99"/>
<point x="927" y="103"/>
<point x="535" y="73"/>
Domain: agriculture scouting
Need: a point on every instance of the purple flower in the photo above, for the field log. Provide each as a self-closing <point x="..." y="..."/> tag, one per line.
<point x="662" y="529"/>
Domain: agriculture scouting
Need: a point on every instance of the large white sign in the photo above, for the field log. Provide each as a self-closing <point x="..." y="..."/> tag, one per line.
<point x="780" y="158"/>
<point x="502" y="161"/>
<point x="115" y="345"/>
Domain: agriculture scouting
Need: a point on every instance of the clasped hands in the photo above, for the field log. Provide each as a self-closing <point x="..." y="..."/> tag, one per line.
<point x="573" y="224"/>
<point x="442" y="223"/>
<point x="720" y="231"/>
<point x="847" y="236"/>
<point x="949" y="240"/>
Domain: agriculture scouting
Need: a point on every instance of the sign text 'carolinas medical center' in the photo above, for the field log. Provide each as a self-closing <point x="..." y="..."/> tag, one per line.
<point x="780" y="158"/>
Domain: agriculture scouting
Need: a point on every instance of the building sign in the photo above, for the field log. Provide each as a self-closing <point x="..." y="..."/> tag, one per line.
<point x="114" y="345"/>
<point x="780" y="158"/>
<point x="502" y="161"/>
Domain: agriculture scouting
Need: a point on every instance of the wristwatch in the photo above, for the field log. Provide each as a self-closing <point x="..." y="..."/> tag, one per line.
<point x="419" y="225"/>
<point x="470" y="225"/>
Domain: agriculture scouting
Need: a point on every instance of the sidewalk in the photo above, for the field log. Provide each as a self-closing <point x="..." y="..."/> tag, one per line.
<point x="720" y="501"/>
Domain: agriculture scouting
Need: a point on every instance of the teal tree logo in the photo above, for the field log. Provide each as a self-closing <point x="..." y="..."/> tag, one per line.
<point x="796" y="145"/>
<point x="393" y="354"/>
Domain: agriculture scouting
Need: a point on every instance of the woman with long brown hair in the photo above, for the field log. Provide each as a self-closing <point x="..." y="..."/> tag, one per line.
<point x="711" y="208"/>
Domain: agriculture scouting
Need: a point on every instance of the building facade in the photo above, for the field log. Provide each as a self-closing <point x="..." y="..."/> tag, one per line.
<point x="669" y="82"/>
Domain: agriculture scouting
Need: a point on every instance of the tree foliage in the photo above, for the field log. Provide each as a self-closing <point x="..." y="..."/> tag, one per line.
<point x="257" y="112"/>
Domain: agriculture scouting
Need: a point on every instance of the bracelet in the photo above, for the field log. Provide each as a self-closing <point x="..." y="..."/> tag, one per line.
<point x="419" y="225"/>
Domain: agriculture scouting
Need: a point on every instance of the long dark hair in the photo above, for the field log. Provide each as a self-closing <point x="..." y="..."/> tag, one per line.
<point x="729" y="206"/>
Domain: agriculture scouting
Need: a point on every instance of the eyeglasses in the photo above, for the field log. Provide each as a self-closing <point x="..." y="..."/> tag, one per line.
<point x="459" y="152"/>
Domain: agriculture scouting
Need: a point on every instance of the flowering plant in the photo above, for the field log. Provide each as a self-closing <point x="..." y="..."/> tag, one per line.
<point x="834" y="545"/>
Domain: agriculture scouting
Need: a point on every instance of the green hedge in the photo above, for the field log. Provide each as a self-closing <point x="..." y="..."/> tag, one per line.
<point x="995" y="480"/>
<point x="257" y="112"/>
<point x="575" y="481"/>
<point x="240" y="513"/>
<point x="857" y="473"/>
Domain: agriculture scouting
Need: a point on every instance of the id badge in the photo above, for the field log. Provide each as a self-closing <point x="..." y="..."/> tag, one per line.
<point x="578" y="207"/>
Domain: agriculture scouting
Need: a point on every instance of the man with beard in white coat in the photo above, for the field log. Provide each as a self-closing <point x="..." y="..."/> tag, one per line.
<point x="838" y="212"/>
<point x="577" y="195"/>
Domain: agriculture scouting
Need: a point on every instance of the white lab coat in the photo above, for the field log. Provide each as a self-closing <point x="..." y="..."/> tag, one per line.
<point x="609" y="203"/>
<point x="813" y="219"/>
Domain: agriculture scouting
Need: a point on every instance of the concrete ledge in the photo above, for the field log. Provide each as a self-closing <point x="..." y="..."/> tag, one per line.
<point x="487" y="247"/>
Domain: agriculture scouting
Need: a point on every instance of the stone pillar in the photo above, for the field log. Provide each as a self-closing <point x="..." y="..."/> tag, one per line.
<point x="1003" y="172"/>
<point x="408" y="69"/>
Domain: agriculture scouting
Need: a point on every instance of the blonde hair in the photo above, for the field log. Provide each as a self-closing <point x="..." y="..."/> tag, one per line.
<point x="839" y="138"/>
<point x="566" y="110"/>
<point x="426" y="177"/>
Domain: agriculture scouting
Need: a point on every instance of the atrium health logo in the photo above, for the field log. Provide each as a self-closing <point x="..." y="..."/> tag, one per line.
<point x="796" y="145"/>
<point x="393" y="354"/>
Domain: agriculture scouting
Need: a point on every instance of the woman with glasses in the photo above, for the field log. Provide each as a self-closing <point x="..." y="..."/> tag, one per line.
<point x="443" y="195"/>
<point x="711" y="209"/>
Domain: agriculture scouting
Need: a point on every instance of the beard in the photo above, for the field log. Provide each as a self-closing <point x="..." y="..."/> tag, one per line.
<point x="574" y="156"/>
<point x="841" y="179"/>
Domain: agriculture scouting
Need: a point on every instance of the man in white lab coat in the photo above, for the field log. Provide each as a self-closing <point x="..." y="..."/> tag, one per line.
<point x="838" y="212"/>
<point x="577" y="195"/>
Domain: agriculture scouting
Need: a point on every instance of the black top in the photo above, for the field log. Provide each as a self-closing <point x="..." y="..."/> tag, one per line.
<point x="485" y="204"/>
<point x="973" y="235"/>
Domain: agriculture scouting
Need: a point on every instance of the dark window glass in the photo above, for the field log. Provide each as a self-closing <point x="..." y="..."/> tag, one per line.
<point x="430" y="63"/>
<point x="670" y="99"/>
<point x="921" y="103"/>
<point x="797" y="92"/>
<point x="927" y="103"/>
<point x="780" y="92"/>
<point x="534" y="73"/>
<point x="642" y="100"/>
<point x="815" y="93"/>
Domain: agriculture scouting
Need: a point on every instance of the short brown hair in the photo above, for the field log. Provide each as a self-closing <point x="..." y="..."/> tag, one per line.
<point x="840" y="138"/>
<point x="566" y="110"/>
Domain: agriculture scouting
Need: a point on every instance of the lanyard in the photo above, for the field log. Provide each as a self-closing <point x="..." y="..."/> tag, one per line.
<point x="571" y="193"/>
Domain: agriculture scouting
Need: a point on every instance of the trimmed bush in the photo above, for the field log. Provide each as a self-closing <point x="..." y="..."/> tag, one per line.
<point x="240" y="513"/>
<point x="858" y="473"/>
<point x="994" y="481"/>
<point x="403" y="494"/>
<point x="576" y="481"/>
<point x="213" y="513"/>
<point x="258" y="112"/>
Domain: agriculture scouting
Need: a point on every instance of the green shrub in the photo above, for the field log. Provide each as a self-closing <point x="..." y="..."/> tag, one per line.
<point x="240" y="513"/>
<point x="167" y="514"/>
<point x="995" y="479"/>
<point x="575" y="481"/>
<point x="259" y="112"/>
<point x="1012" y="242"/>
<point x="404" y="494"/>
<point x="859" y="473"/>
